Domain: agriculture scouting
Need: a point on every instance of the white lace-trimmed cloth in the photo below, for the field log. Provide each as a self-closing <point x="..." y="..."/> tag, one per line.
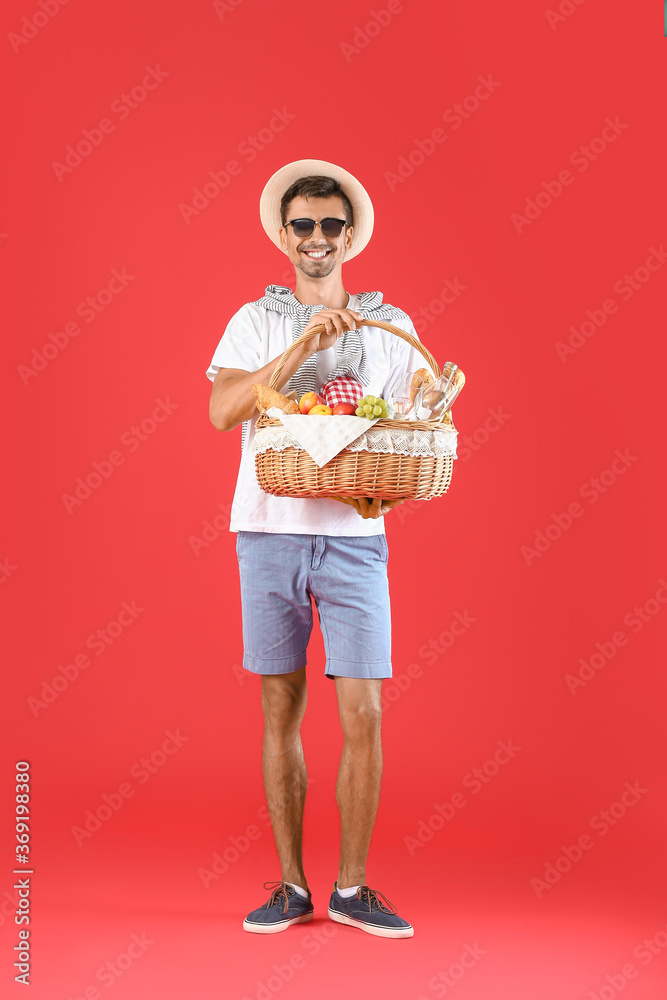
<point x="323" y="440"/>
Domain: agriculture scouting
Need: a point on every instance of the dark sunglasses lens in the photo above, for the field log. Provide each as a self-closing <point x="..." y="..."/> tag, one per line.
<point x="303" y="227"/>
<point x="332" y="228"/>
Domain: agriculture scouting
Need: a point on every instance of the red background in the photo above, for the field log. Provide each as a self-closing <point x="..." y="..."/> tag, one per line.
<point x="175" y="668"/>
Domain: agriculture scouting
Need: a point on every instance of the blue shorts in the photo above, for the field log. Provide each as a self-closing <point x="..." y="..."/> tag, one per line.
<point x="346" y="577"/>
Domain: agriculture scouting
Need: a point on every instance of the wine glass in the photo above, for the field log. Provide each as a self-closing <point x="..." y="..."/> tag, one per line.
<point x="434" y="399"/>
<point x="402" y="394"/>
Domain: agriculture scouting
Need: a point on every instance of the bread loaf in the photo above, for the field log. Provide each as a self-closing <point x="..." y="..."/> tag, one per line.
<point x="420" y="378"/>
<point x="267" y="397"/>
<point x="459" y="379"/>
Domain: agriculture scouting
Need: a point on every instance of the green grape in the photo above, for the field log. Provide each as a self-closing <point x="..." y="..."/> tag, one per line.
<point x="372" y="407"/>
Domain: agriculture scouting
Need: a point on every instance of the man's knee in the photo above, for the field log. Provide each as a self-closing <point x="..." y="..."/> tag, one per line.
<point x="361" y="718"/>
<point x="284" y="697"/>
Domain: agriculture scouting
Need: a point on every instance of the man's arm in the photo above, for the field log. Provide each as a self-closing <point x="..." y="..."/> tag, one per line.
<point x="232" y="401"/>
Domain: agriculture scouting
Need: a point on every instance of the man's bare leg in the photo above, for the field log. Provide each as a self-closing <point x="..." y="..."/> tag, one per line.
<point x="359" y="776"/>
<point x="284" y="699"/>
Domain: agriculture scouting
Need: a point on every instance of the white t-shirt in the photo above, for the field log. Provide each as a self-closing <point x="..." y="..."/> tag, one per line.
<point x="255" y="336"/>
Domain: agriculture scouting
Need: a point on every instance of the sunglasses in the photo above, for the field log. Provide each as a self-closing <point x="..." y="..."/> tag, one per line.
<point x="302" y="228"/>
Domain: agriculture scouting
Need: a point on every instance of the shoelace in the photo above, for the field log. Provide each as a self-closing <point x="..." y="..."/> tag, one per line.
<point x="373" y="900"/>
<point x="279" y="888"/>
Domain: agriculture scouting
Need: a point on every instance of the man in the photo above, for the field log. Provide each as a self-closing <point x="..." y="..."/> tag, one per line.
<point x="292" y="550"/>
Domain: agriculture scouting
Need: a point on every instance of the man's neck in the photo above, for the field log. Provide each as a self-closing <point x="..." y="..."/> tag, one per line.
<point x="328" y="291"/>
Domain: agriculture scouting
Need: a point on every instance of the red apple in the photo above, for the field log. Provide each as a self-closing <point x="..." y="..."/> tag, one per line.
<point x="309" y="400"/>
<point x="347" y="408"/>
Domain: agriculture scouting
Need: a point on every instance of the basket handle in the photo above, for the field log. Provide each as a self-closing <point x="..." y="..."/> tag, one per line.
<point x="321" y="328"/>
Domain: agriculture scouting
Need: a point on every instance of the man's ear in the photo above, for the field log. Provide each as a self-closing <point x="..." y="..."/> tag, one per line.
<point x="349" y="236"/>
<point x="283" y="239"/>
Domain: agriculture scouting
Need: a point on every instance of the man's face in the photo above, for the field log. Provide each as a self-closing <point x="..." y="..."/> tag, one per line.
<point x="300" y="251"/>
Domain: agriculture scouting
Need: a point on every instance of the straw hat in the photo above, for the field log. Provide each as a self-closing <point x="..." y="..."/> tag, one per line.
<point x="362" y="206"/>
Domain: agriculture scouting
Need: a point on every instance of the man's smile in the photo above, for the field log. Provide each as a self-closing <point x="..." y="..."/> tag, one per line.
<point x="317" y="254"/>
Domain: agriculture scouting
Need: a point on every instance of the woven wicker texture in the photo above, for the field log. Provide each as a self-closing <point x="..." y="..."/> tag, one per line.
<point x="293" y="473"/>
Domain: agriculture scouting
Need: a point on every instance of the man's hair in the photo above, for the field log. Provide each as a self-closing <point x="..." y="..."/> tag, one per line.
<point x="315" y="186"/>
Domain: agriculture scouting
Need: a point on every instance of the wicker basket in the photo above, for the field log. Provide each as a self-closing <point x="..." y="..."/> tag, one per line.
<point x="293" y="473"/>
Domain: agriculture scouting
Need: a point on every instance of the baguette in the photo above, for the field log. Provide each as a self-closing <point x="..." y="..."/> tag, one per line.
<point x="459" y="379"/>
<point x="421" y="378"/>
<point x="267" y="397"/>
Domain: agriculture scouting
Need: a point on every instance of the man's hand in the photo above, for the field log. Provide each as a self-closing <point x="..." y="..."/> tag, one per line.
<point x="369" y="507"/>
<point x="376" y="507"/>
<point x="336" y="321"/>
